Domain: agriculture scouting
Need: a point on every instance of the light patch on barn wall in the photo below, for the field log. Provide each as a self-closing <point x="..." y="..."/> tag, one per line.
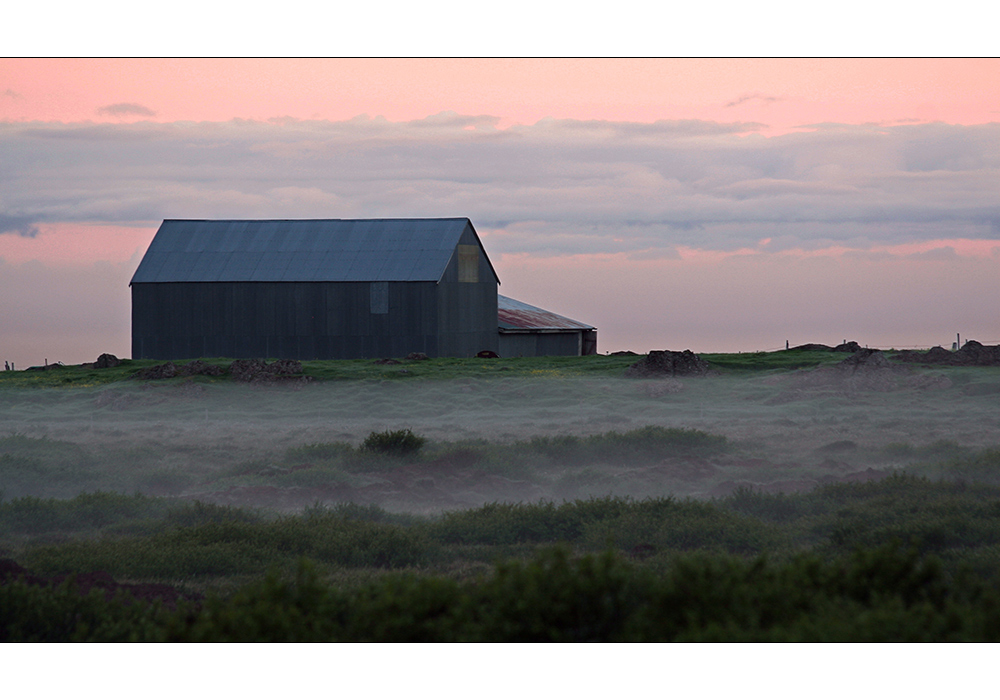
<point x="468" y="263"/>
<point x="379" y="297"/>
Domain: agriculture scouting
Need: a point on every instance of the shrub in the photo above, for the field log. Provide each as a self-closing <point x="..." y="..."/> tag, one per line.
<point x="398" y="443"/>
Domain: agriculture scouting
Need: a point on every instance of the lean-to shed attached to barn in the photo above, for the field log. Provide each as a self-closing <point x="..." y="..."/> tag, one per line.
<point x="314" y="289"/>
<point x="528" y="331"/>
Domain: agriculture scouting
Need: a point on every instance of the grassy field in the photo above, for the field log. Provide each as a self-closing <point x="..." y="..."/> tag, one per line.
<point x="435" y="368"/>
<point x="532" y="499"/>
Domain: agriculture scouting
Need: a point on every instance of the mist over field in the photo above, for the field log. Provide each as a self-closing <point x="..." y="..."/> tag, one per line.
<point x="493" y="439"/>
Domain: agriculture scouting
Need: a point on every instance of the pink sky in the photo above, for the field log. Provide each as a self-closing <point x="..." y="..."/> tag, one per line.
<point x="782" y="93"/>
<point x="918" y="220"/>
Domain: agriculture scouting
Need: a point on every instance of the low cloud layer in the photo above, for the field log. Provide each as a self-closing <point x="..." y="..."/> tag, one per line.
<point x="126" y="109"/>
<point x="555" y="188"/>
<point x="18" y="225"/>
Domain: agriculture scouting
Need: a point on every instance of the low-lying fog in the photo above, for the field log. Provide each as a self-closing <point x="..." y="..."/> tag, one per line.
<point x="236" y="443"/>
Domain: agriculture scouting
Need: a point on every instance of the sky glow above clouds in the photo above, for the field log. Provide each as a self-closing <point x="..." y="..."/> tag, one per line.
<point x="716" y="205"/>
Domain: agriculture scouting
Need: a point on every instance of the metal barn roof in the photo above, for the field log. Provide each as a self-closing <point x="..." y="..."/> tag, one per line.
<point x="514" y="315"/>
<point x="302" y="250"/>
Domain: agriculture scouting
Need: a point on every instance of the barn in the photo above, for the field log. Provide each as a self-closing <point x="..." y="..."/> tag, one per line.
<point x="333" y="289"/>
<point x="314" y="289"/>
<point x="528" y="331"/>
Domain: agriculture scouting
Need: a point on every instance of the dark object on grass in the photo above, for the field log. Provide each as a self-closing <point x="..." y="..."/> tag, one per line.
<point x="200" y="367"/>
<point x="393" y="442"/>
<point x="169" y="370"/>
<point x="849" y="346"/>
<point x="387" y="361"/>
<point x="972" y="354"/>
<point x="813" y="347"/>
<point x="106" y="360"/>
<point x="46" y="366"/>
<point x="668" y="363"/>
<point x="417" y="356"/>
<point x="487" y="355"/>
<point x="258" y="370"/>
<point x="623" y="353"/>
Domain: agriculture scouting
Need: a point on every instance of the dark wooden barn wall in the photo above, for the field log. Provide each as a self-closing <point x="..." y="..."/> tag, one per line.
<point x="311" y="320"/>
<point x="540" y="344"/>
<point x="302" y="320"/>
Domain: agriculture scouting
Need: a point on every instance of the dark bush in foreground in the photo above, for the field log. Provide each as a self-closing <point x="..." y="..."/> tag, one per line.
<point x="398" y="443"/>
<point x="888" y="594"/>
<point x="877" y="595"/>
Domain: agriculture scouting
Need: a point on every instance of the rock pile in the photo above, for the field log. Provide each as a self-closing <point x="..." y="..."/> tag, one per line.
<point x="668" y="363"/>
<point x="972" y="354"/>
<point x="259" y="371"/>
<point x="106" y="361"/>
<point x="169" y="370"/>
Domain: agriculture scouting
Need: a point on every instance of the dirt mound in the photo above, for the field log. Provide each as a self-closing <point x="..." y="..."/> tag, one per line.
<point x="387" y="361"/>
<point x="260" y="371"/>
<point x="487" y="355"/>
<point x="668" y="363"/>
<point x="106" y="360"/>
<point x="417" y="356"/>
<point x="849" y="346"/>
<point x="200" y="367"/>
<point x="169" y="370"/>
<point x="168" y="596"/>
<point x="972" y="354"/>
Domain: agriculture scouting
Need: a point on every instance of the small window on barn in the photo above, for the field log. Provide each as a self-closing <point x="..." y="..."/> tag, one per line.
<point x="468" y="263"/>
<point x="380" y="297"/>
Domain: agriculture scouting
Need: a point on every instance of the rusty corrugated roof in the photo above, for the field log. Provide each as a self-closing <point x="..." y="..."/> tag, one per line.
<point x="516" y="315"/>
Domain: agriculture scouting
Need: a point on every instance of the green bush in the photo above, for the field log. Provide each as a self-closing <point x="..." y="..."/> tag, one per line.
<point x="397" y="443"/>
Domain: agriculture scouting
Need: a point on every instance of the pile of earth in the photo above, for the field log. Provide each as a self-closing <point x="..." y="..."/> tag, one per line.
<point x="668" y="363"/>
<point x="260" y="371"/>
<point x="169" y="370"/>
<point x="168" y="596"/>
<point x="972" y="354"/>
<point x="105" y="361"/>
<point x="251" y="371"/>
<point x="846" y="346"/>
